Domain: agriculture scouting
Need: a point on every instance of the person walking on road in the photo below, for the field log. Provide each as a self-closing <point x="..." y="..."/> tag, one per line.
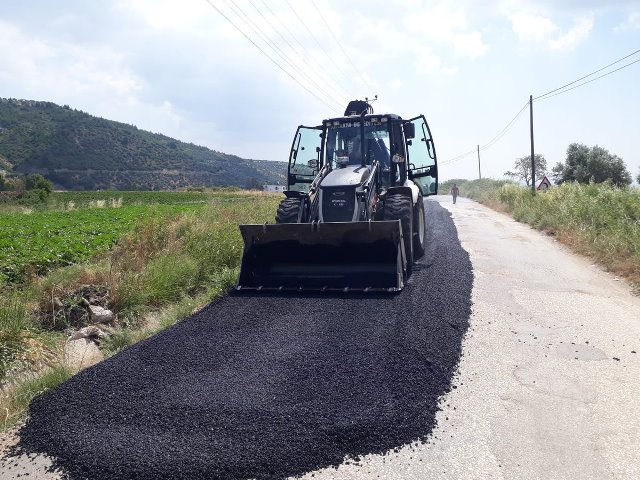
<point x="454" y="192"/>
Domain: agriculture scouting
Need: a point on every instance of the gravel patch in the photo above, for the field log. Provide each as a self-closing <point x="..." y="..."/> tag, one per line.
<point x="268" y="386"/>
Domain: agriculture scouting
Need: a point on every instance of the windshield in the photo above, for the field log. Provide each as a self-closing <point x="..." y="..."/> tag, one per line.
<point x="345" y="146"/>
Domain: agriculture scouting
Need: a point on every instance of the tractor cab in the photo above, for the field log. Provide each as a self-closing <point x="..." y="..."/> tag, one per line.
<point x="400" y="148"/>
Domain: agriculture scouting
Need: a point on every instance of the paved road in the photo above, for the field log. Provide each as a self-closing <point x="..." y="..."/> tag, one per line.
<point x="547" y="383"/>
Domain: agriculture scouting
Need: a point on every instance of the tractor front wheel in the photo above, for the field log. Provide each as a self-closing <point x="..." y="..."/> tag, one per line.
<point x="419" y="229"/>
<point x="398" y="207"/>
<point x="289" y="211"/>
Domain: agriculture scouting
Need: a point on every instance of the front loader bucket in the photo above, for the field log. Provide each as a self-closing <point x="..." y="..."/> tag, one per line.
<point x="360" y="256"/>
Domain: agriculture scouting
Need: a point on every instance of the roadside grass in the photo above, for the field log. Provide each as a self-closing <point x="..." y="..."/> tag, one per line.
<point x="600" y="221"/>
<point x="15" y="400"/>
<point x="166" y="267"/>
<point x="14" y="324"/>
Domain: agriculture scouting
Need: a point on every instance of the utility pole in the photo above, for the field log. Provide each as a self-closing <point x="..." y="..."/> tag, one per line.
<point x="479" y="172"/>
<point x="533" y="153"/>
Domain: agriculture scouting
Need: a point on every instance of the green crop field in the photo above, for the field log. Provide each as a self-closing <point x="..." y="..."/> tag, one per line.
<point x="74" y="226"/>
<point x="70" y="200"/>
<point x="37" y="242"/>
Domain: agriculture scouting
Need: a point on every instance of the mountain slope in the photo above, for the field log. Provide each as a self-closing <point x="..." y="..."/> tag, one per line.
<point x="79" y="151"/>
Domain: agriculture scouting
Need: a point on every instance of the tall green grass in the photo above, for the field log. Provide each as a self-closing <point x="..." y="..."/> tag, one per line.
<point x="14" y="403"/>
<point x="163" y="262"/>
<point x="14" y="322"/>
<point x="600" y="220"/>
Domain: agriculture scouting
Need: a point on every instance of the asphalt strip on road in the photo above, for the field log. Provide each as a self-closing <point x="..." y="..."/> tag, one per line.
<point x="268" y="386"/>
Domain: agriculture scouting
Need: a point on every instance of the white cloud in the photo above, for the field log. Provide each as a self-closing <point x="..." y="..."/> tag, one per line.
<point x="93" y="78"/>
<point x="470" y="44"/>
<point x="447" y="23"/>
<point x="537" y="29"/>
<point x="166" y="15"/>
<point x="570" y="40"/>
<point x="451" y="71"/>
<point x="395" y="84"/>
<point x="427" y="63"/>
<point x="531" y="27"/>
<point x="631" y="23"/>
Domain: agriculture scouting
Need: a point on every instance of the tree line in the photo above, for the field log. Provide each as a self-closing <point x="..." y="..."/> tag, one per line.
<point x="27" y="190"/>
<point x="583" y="164"/>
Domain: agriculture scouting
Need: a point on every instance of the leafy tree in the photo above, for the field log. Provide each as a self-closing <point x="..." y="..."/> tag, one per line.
<point x="253" y="184"/>
<point x="3" y="183"/>
<point x="36" y="181"/>
<point x="638" y="177"/>
<point x="591" y="165"/>
<point x="522" y="168"/>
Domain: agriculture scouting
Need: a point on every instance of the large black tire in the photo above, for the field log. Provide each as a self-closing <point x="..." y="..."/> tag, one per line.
<point x="289" y="211"/>
<point x="398" y="207"/>
<point x="419" y="228"/>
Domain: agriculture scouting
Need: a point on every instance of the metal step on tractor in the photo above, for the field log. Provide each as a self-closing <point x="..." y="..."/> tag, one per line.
<point x="353" y="217"/>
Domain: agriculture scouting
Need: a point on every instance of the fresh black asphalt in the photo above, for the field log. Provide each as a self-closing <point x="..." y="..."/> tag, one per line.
<point x="268" y="386"/>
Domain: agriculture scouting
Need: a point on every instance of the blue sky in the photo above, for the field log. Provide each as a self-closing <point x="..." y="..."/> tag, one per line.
<point x="181" y="69"/>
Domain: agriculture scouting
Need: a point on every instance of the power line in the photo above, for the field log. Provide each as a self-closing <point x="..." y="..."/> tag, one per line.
<point x="545" y="96"/>
<point x="496" y="138"/>
<point x="317" y="72"/>
<point x="277" y="50"/>
<point x="331" y="59"/>
<point x="267" y="55"/>
<point x="284" y="25"/>
<point x="303" y="49"/>
<point x="351" y="62"/>
<point x="458" y="157"/>
<point x="589" y="81"/>
<point x="587" y="76"/>
<point x="503" y="132"/>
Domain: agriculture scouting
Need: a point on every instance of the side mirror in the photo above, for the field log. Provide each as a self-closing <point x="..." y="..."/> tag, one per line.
<point x="312" y="164"/>
<point x="409" y="130"/>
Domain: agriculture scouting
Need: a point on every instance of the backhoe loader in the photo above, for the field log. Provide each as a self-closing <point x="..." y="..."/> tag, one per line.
<point x="353" y="215"/>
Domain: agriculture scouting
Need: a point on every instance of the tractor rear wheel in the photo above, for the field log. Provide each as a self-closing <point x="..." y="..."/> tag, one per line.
<point x="289" y="211"/>
<point x="398" y="207"/>
<point x="419" y="228"/>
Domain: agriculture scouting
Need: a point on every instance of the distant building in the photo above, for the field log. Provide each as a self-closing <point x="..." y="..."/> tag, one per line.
<point x="274" y="188"/>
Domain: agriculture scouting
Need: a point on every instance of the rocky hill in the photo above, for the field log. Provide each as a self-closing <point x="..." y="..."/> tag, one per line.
<point x="78" y="151"/>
